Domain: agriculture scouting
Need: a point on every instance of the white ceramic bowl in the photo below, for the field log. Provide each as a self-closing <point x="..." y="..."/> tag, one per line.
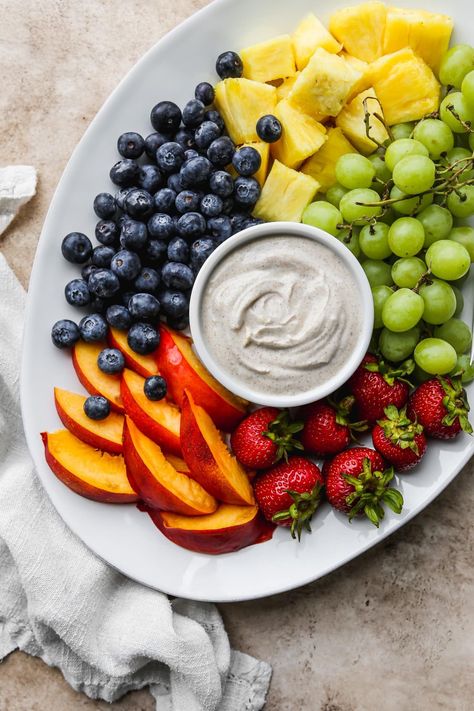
<point x="273" y="229"/>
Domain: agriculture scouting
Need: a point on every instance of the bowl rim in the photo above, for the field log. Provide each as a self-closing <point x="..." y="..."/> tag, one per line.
<point x="267" y="230"/>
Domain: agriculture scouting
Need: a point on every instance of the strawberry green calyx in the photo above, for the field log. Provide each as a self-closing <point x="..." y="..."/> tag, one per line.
<point x="343" y="410"/>
<point x="301" y="510"/>
<point x="455" y="402"/>
<point x="371" y="491"/>
<point x="389" y="373"/>
<point x="281" y="432"/>
<point x="399" y="429"/>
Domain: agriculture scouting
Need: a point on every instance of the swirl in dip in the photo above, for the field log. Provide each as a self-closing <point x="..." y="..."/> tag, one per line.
<point x="281" y="314"/>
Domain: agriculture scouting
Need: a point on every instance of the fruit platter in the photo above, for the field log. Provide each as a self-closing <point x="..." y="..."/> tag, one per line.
<point x="247" y="353"/>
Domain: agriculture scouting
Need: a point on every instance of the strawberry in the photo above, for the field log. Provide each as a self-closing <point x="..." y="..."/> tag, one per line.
<point x="289" y="493"/>
<point x="327" y="429"/>
<point x="264" y="437"/>
<point x="399" y="439"/>
<point x="375" y="386"/>
<point x="357" y="482"/>
<point x="441" y="406"/>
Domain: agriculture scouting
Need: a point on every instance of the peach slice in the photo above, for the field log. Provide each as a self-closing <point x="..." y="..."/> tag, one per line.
<point x="86" y="470"/>
<point x="84" y="359"/>
<point x="226" y="530"/>
<point x="208" y="458"/>
<point x="143" y="364"/>
<point x="182" y="370"/>
<point x="159" y="420"/>
<point x="178" y="463"/>
<point x="155" y="479"/>
<point x="104" y="434"/>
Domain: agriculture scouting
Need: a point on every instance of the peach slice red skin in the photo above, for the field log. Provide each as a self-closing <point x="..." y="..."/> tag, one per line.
<point x="115" y="404"/>
<point x="181" y="376"/>
<point x="143" y="365"/>
<point x="88" y="437"/>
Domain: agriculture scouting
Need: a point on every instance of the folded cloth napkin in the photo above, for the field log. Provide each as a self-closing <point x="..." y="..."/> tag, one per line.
<point x="107" y="634"/>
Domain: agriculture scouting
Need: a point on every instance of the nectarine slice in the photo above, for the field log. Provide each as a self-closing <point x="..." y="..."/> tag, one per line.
<point x="104" y="434"/>
<point x="86" y="470"/>
<point x="155" y="479"/>
<point x="178" y="463"/>
<point x="84" y="358"/>
<point x="143" y="364"/>
<point x="209" y="459"/>
<point x="183" y="370"/>
<point x="159" y="420"/>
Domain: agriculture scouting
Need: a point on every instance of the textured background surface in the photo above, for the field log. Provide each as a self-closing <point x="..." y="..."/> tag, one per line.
<point x="393" y="630"/>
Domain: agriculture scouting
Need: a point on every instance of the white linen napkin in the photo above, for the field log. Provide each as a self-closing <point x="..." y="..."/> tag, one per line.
<point x="106" y="633"/>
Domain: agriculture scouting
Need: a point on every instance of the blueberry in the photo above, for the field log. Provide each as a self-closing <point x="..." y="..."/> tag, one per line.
<point x="150" y="178"/>
<point x="269" y="128"/>
<point x="201" y="249"/>
<point x="187" y="201"/>
<point x="216" y="118"/>
<point x="206" y="133"/>
<point x="185" y="138"/>
<point x="177" y="276"/>
<point x="102" y="256"/>
<point x="125" y="297"/>
<point x="111" y="361"/>
<point x="211" y="205"/>
<point x="144" y="307"/>
<point x="170" y="157"/>
<point x="121" y="195"/>
<point x="164" y="200"/>
<point x="124" y="173"/>
<point x="98" y="305"/>
<point x="133" y="235"/>
<point x="103" y="283"/>
<point x="87" y="270"/>
<point x="104" y="205"/>
<point x="155" y="250"/>
<point x="237" y="222"/>
<point x="93" y="328"/>
<point x="204" y="92"/>
<point x="247" y="191"/>
<point x="178" y="250"/>
<point x="178" y="324"/>
<point x="138" y="203"/>
<point x="221" y="183"/>
<point x="193" y="113"/>
<point x="161" y="225"/>
<point x="191" y="225"/>
<point x="220" y="228"/>
<point x="130" y="145"/>
<point x="106" y="232"/>
<point x="153" y="142"/>
<point x="65" y="333"/>
<point x="247" y="161"/>
<point x="174" y="304"/>
<point x="229" y="64"/>
<point x="76" y="248"/>
<point x="118" y="317"/>
<point x="227" y="206"/>
<point x="143" y="338"/>
<point x="97" y="407"/>
<point x="220" y="151"/>
<point x="175" y="183"/>
<point x="154" y="387"/>
<point x="195" y="171"/>
<point x="251" y="222"/>
<point x="165" y="117"/>
<point x="126" y="265"/>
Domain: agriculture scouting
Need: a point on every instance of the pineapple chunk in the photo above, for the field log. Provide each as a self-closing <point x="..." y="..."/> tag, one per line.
<point x="242" y="102"/>
<point x="351" y="120"/>
<point x="301" y="136"/>
<point x="427" y="33"/>
<point x="360" y="29"/>
<point x="269" y="60"/>
<point x="264" y="150"/>
<point x="324" y="85"/>
<point x="360" y="66"/>
<point x="322" y="166"/>
<point x="405" y="85"/>
<point x="308" y="36"/>
<point x="286" y="86"/>
<point x="285" y="195"/>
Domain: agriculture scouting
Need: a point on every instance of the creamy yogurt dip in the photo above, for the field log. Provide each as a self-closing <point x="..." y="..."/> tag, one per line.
<point x="281" y="314"/>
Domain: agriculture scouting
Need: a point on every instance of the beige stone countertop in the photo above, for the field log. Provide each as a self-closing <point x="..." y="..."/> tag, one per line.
<point x="394" y="629"/>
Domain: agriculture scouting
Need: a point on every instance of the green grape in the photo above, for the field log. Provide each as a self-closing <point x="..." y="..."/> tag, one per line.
<point x="435" y="356"/>
<point x="380" y="295"/>
<point x="461" y="281"/>
<point x="467" y="88"/>
<point x="453" y="110"/>
<point x="398" y="346"/>
<point x="459" y="300"/>
<point x="463" y="366"/>
<point x="354" y="171"/>
<point x="437" y="222"/>
<point x="455" y="64"/>
<point x="421" y="376"/>
<point x="388" y="216"/>
<point x="414" y="174"/>
<point x="448" y="259"/>
<point x="406" y="236"/>
<point x="377" y="272"/>
<point x="457" y="333"/>
<point x="323" y="215"/>
<point x="373" y="241"/>
<point x="335" y="193"/>
<point x="435" y="135"/>
<point x="459" y="158"/>
<point x="471" y="141"/>
<point x="401" y="149"/>
<point x="411" y="205"/>
<point x="464" y="235"/>
<point x="461" y="201"/>
<point x="381" y="170"/>
<point x="402" y="130"/>
<point x="402" y="310"/>
<point x="408" y="272"/>
<point x="353" y="208"/>
<point x="351" y="240"/>
<point x="440" y="302"/>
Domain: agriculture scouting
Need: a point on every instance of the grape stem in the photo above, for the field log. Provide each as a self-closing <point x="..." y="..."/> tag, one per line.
<point x="465" y="124"/>
<point x="379" y="117"/>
